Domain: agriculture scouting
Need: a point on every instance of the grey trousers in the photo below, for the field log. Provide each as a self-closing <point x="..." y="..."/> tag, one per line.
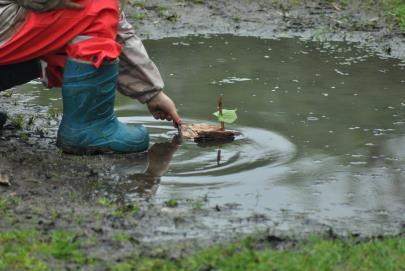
<point x="18" y="74"/>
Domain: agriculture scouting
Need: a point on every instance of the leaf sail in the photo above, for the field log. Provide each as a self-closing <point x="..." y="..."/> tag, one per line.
<point x="228" y="116"/>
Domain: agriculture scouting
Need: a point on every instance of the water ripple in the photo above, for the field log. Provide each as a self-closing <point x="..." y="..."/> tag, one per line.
<point x="253" y="149"/>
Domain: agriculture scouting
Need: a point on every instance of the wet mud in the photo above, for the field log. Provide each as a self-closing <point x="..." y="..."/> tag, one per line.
<point x="310" y="20"/>
<point x="89" y="194"/>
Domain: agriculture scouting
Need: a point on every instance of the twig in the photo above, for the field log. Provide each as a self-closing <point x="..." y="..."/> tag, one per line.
<point x="219" y="155"/>
<point x="220" y="112"/>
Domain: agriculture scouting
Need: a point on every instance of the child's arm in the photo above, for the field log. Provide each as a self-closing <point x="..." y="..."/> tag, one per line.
<point x="140" y="78"/>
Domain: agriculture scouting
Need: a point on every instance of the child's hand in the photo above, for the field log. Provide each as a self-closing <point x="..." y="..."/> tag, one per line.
<point x="162" y="107"/>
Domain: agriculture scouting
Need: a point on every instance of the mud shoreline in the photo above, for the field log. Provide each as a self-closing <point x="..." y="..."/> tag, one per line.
<point x="54" y="191"/>
<point x="318" y="21"/>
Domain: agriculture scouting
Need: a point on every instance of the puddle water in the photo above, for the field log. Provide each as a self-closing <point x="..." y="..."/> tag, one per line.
<point x="323" y="130"/>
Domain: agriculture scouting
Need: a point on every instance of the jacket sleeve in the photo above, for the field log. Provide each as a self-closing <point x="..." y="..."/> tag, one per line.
<point x="38" y="5"/>
<point x="139" y="77"/>
<point x="12" y="17"/>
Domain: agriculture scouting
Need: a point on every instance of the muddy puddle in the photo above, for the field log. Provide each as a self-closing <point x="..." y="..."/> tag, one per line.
<point x="323" y="134"/>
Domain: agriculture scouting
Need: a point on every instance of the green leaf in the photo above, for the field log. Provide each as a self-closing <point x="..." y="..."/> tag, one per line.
<point x="228" y="116"/>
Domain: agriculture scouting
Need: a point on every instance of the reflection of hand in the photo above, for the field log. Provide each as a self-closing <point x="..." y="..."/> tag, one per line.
<point x="147" y="182"/>
<point x="160" y="155"/>
<point x="162" y="107"/>
<point x="47" y="5"/>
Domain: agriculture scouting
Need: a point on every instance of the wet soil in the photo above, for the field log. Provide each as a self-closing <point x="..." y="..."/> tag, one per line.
<point x="60" y="191"/>
<point x="314" y="20"/>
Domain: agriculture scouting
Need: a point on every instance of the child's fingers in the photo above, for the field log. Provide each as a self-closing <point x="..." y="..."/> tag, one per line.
<point x="177" y="122"/>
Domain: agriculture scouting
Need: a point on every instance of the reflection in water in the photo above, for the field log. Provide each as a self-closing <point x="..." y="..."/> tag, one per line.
<point x="322" y="130"/>
<point x="219" y="156"/>
<point x="142" y="179"/>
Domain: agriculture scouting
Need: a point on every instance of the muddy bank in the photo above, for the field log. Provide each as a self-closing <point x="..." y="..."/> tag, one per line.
<point x="45" y="190"/>
<point x="311" y="20"/>
<point x="113" y="216"/>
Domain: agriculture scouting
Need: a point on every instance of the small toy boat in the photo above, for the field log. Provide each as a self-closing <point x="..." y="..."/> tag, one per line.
<point x="203" y="132"/>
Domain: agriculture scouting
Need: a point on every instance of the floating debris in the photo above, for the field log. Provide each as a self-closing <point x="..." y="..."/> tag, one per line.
<point x="312" y="118"/>
<point x="232" y="80"/>
<point x="341" y="73"/>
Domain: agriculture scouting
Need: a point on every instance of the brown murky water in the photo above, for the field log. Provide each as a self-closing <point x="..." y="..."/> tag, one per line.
<point x="323" y="131"/>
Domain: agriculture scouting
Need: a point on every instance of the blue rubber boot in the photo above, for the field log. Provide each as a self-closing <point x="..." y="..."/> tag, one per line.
<point x="89" y="124"/>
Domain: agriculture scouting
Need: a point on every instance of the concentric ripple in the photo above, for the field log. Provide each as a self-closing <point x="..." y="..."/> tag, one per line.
<point x="253" y="149"/>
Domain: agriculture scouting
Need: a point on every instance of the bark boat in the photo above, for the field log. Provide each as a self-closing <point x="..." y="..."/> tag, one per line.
<point x="203" y="132"/>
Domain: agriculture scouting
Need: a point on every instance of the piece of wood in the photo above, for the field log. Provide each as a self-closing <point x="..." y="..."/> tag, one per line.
<point x="203" y="132"/>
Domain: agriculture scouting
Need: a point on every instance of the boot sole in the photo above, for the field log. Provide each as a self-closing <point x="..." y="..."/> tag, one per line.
<point x="89" y="151"/>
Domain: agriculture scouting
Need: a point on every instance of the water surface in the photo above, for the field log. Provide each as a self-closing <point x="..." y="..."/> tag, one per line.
<point x="323" y="130"/>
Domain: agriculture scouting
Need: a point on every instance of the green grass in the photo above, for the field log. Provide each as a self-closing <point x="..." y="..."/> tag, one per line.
<point x="398" y="10"/>
<point x="7" y="202"/>
<point x="123" y="210"/>
<point x="105" y="202"/>
<point x="18" y="121"/>
<point x="136" y="3"/>
<point x="393" y="10"/>
<point x="171" y="203"/>
<point x="138" y="16"/>
<point x="27" y="250"/>
<point x="35" y="250"/>
<point x="121" y="237"/>
<point x="119" y="210"/>
<point x="317" y="254"/>
<point x="53" y="113"/>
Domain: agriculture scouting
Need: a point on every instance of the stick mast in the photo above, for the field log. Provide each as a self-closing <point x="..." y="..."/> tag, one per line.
<point x="220" y="112"/>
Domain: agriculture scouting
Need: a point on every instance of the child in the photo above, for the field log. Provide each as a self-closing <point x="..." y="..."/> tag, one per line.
<point x="88" y="48"/>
